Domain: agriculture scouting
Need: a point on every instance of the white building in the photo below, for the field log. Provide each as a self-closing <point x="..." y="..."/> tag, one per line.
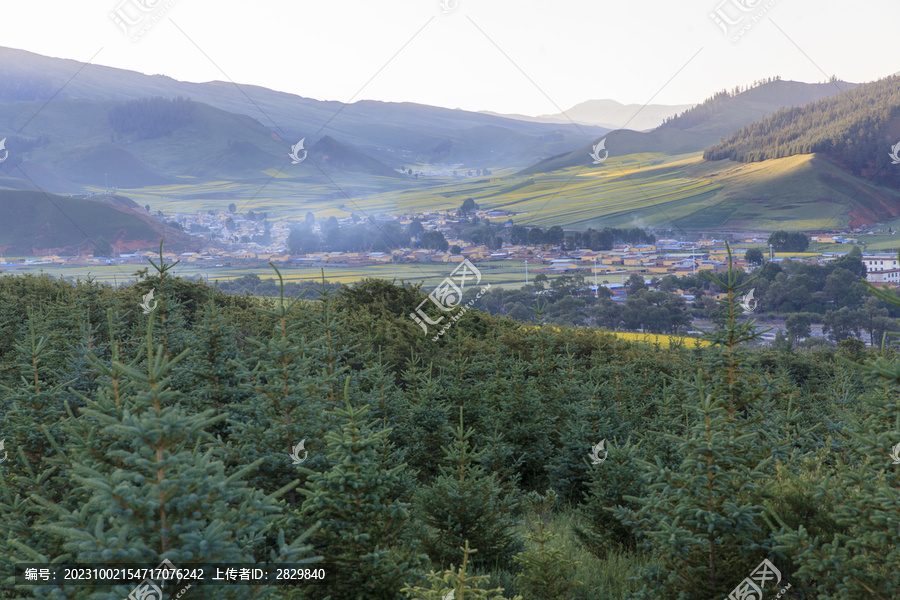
<point x="882" y="268"/>
<point x="891" y="276"/>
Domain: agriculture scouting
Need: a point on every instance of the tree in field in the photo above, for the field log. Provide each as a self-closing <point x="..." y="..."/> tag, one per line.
<point x="608" y="486"/>
<point x="434" y="240"/>
<point x="362" y="521"/>
<point x="207" y="375"/>
<point x="467" y="207"/>
<point x="754" y="256"/>
<point x="34" y="397"/>
<point x="283" y="394"/>
<point x="303" y="240"/>
<point x="547" y="573"/>
<point x="232" y="208"/>
<point x="797" y="326"/>
<point x="788" y="241"/>
<point x="635" y="283"/>
<point x="518" y="235"/>
<point x="842" y="324"/>
<point x="536" y="237"/>
<point x="415" y="228"/>
<point x="555" y="235"/>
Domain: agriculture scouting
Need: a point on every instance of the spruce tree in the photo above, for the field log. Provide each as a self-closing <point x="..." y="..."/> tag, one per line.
<point x="547" y="573"/>
<point x="362" y="522"/>
<point x="422" y="425"/>
<point x="153" y="487"/>
<point x="859" y="557"/>
<point x="209" y="378"/>
<point x="35" y="398"/>
<point x="456" y="584"/>
<point x="283" y="399"/>
<point x="465" y="504"/>
<point x="700" y="523"/>
<point x="173" y="325"/>
<point x="611" y="483"/>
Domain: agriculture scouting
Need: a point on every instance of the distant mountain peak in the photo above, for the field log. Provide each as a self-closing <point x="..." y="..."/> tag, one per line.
<point x="610" y="114"/>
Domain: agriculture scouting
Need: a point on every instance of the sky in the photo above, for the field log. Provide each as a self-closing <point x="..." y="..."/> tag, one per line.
<point x="509" y="56"/>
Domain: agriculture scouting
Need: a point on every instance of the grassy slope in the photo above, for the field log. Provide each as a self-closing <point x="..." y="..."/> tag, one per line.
<point x="735" y="112"/>
<point x="57" y="223"/>
<point x="679" y="193"/>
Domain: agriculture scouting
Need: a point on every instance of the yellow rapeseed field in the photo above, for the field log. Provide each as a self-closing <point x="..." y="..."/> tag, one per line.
<point x="663" y="340"/>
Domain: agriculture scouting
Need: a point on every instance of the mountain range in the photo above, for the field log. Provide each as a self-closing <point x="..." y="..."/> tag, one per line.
<point x="610" y="114"/>
<point x="71" y="128"/>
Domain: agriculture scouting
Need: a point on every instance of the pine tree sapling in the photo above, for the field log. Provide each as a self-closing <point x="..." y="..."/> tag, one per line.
<point x="362" y="522"/>
<point x="465" y="504"/>
<point x="457" y="584"/>
<point x="547" y="573"/>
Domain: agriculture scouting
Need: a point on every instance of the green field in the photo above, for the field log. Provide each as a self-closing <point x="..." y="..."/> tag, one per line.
<point x="681" y="192"/>
<point x="499" y="274"/>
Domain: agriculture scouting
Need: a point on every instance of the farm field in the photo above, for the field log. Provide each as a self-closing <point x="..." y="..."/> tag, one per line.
<point x="677" y="193"/>
<point x="498" y="274"/>
<point x="502" y="274"/>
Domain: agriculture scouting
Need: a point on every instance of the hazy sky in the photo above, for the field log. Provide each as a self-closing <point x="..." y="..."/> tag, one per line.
<point x="511" y="56"/>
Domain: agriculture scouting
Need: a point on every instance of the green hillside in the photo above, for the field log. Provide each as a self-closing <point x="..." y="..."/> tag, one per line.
<point x="681" y="193"/>
<point x="95" y="163"/>
<point x="700" y="126"/>
<point x="95" y="149"/>
<point x="856" y="129"/>
<point x="730" y="110"/>
<point x="329" y="153"/>
<point x="36" y="223"/>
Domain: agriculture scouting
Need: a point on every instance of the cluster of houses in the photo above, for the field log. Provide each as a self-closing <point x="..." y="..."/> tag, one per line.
<point x="665" y="257"/>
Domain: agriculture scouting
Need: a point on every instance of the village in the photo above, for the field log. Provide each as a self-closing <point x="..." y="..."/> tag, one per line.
<point x="230" y="243"/>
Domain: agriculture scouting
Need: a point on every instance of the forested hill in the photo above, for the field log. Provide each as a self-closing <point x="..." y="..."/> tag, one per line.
<point x="731" y="109"/>
<point x="855" y="129"/>
<point x="703" y="125"/>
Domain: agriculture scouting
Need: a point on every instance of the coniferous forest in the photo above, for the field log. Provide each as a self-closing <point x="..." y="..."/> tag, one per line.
<point x="469" y="467"/>
<point x="850" y="128"/>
